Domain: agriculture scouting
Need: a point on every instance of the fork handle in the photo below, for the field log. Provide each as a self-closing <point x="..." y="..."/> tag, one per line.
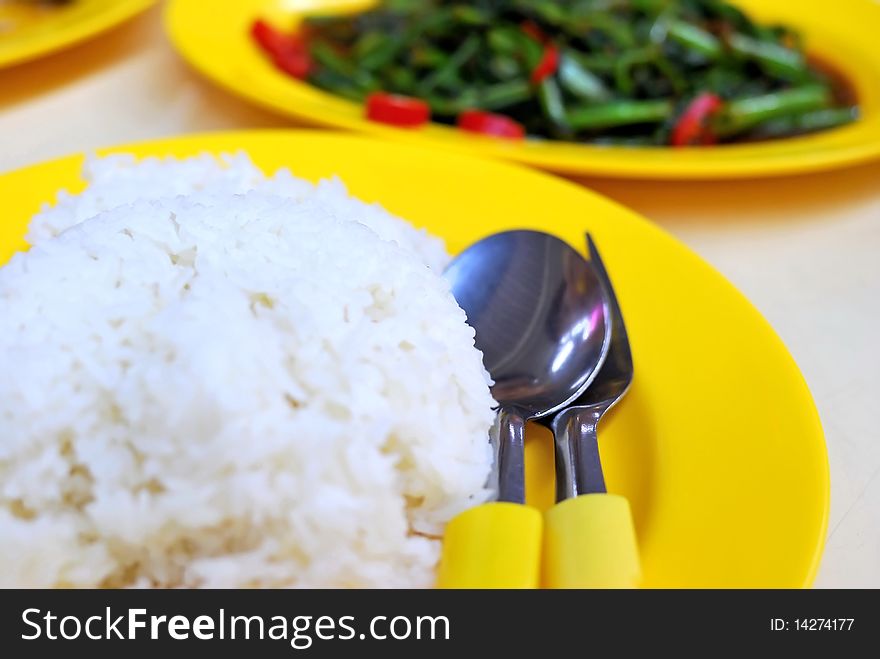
<point x="578" y="467"/>
<point x="590" y="542"/>
<point x="589" y="536"/>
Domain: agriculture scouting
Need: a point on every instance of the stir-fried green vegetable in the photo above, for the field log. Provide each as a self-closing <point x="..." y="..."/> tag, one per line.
<point x="628" y="71"/>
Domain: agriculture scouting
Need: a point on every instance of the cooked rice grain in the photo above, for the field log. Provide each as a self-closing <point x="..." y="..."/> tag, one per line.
<point x="211" y="378"/>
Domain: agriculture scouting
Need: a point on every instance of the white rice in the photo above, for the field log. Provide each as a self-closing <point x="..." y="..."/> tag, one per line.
<point x="204" y="386"/>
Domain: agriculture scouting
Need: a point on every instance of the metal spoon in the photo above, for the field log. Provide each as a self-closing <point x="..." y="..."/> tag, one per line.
<point x="542" y="322"/>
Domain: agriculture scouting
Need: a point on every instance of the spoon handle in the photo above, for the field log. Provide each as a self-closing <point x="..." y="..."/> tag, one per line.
<point x="508" y="439"/>
<point x="497" y="544"/>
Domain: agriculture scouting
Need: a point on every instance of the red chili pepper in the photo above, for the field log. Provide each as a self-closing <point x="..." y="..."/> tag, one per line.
<point x="289" y="52"/>
<point x="547" y="65"/>
<point x="531" y="29"/>
<point x="297" y="63"/>
<point x="549" y="61"/>
<point x="488" y="123"/>
<point x="693" y="125"/>
<point x="397" y="110"/>
<point x="270" y="39"/>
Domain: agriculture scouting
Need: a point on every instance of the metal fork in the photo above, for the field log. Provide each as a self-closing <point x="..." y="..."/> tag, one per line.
<point x="578" y="466"/>
<point x="589" y="535"/>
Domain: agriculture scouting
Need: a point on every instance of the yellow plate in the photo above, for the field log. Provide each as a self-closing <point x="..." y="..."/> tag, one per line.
<point x="27" y="33"/>
<point x="718" y="445"/>
<point x="214" y="38"/>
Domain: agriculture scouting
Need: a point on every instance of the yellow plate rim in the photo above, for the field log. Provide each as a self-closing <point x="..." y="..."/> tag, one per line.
<point x="44" y="43"/>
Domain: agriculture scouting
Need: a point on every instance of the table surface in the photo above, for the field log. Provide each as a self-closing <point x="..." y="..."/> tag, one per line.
<point x="805" y="250"/>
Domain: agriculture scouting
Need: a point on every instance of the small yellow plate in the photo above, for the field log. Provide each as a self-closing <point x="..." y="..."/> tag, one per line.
<point x="27" y="33"/>
<point x="214" y="37"/>
<point x="718" y="445"/>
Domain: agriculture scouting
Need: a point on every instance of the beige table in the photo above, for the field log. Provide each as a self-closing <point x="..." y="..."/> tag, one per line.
<point x="805" y="250"/>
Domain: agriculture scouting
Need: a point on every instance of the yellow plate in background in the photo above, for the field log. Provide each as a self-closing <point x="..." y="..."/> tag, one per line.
<point x="214" y="38"/>
<point x="27" y="33"/>
<point x="718" y="445"/>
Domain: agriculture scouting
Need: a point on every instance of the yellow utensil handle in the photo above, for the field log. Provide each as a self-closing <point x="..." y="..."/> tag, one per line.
<point x="590" y="542"/>
<point x="495" y="545"/>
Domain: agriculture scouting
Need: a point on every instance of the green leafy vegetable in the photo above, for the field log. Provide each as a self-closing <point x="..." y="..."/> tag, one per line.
<point x="605" y="71"/>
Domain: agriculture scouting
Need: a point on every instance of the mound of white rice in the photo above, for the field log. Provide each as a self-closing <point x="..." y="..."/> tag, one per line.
<point x="202" y="385"/>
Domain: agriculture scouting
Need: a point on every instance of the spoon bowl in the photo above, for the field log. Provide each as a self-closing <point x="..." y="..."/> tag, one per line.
<point x="540" y="315"/>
